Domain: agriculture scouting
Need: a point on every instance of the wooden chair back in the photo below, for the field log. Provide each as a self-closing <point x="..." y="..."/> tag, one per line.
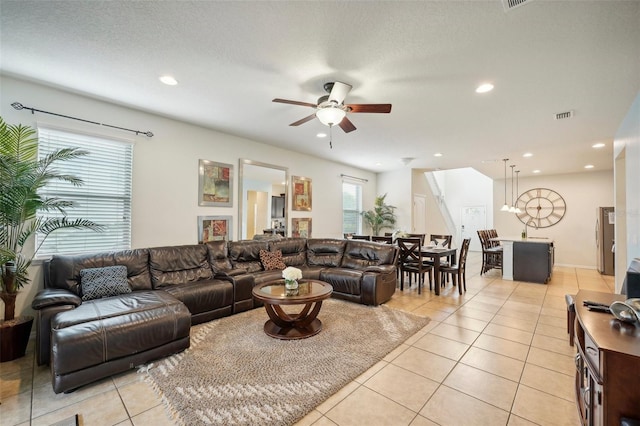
<point x="443" y="240"/>
<point x="380" y="239"/>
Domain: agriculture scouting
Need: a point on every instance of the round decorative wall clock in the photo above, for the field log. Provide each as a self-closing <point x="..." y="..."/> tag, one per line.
<point x="541" y="206"/>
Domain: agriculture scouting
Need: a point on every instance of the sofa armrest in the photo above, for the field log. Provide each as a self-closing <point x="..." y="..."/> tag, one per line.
<point x="383" y="269"/>
<point x="55" y="297"/>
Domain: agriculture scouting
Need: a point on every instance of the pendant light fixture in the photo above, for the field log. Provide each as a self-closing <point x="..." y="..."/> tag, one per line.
<point x="517" y="210"/>
<point x="505" y="208"/>
<point x="512" y="209"/>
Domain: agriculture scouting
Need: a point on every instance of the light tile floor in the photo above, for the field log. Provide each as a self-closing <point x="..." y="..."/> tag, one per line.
<point x="497" y="355"/>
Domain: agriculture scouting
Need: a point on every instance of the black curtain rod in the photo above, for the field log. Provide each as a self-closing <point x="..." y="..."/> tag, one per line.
<point x="354" y="178"/>
<point x="19" y="106"/>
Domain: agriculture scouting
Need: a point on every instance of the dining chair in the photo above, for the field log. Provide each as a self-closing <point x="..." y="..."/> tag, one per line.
<point x="421" y="236"/>
<point x="381" y="239"/>
<point x="361" y="237"/>
<point x="444" y="241"/>
<point x="458" y="272"/>
<point x="441" y="240"/>
<point x="411" y="261"/>
<point x="491" y="255"/>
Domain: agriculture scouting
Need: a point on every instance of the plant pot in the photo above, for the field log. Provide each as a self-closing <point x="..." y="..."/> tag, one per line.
<point x="14" y="337"/>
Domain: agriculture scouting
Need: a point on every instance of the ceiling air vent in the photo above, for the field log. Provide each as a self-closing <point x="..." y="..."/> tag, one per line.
<point x="563" y="115"/>
<point x="512" y="4"/>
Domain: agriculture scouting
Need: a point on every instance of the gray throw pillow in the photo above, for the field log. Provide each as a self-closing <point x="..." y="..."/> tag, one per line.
<point x="96" y="283"/>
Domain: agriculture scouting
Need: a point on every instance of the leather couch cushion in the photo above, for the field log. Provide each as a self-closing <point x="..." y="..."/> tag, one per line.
<point x="325" y="252"/>
<point x="107" y="329"/>
<point x="266" y="276"/>
<point x="218" y="256"/>
<point x="107" y="281"/>
<point x="246" y="254"/>
<point x="293" y="250"/>
<point x="361" y="254"/>
<point x="203" y="296"/>
<point x="179" y="264"/>
<point x="64" y="271"/>
<point x="346" y="281"/>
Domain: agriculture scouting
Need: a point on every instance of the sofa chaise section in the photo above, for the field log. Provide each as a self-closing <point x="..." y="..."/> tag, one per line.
<point x="114" y="334"/>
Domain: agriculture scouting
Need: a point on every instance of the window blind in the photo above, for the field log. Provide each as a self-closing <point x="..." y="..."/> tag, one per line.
<point x="104" y="198"/>
<point x="351" y="208"/>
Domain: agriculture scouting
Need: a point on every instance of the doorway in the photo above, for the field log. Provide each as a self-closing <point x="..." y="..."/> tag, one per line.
<point x="257" y="217"/>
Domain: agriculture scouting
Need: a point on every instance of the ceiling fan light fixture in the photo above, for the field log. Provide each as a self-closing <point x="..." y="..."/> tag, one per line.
<point x="330" y="116"/>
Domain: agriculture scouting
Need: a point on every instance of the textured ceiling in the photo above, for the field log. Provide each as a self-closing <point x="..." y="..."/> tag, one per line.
<point x="424" y="57"/>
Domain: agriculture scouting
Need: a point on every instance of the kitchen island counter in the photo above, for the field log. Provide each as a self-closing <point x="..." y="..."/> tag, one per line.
<point x="527" y="259"/>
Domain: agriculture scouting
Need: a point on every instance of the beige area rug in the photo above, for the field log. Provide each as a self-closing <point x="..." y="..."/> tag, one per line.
<point x="234" y="374"/>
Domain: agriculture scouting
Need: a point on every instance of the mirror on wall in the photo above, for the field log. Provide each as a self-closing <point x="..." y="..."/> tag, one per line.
<point x="262" y="199"/>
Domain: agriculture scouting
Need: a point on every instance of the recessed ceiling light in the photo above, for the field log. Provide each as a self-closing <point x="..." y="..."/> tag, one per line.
<point x="527" y="154"/>
<point x="378" y="164"/>
<point x="536" y="171"/>
<point x="589" y="166"/>
<point x="321" y="135"/>
<point x="598" y="145"/>
<point x="484" y="88"/>
<point x="437" y="154"/>
<point x="168" y="80"/>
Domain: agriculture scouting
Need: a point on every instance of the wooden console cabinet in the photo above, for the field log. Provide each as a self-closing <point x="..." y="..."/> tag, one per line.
<point x="607" y="363"/>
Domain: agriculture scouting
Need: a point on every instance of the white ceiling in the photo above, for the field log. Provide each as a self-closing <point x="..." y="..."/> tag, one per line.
<point x="424" y="57"/>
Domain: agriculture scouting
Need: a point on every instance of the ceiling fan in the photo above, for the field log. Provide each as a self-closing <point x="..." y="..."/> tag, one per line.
<point x="331" y="109"/>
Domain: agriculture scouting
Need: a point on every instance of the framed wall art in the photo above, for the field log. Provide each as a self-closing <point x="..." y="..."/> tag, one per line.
<point x="301" y="190"/>
<point x="301" y="227"/>
<point x="214" y="228"/>
<point x="215" y="186"/>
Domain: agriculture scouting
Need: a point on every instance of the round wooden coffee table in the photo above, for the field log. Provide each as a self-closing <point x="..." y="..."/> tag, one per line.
<point x="287" y="326"/>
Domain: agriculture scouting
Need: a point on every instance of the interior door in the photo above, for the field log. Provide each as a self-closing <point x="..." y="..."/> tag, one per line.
<point x="419" y="225"/>
<point x="473" y="218"/>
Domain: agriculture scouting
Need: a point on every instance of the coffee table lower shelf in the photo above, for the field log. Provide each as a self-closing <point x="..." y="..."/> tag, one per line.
<point x="289" y="326"/>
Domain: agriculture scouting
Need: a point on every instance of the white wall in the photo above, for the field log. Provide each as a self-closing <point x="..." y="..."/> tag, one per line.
<point x="165" y="167"/>
<point x="435" y="223"/>
<point x="627" y="151"/>
<point x="574" y="235"/>
<point x="466" y="188"/>
<point x="397" y="186"/>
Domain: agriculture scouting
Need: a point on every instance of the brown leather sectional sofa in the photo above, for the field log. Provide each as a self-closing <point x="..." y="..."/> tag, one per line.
<point x="174" y="287"/>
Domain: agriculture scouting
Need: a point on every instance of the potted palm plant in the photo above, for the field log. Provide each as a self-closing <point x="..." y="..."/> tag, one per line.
<point x="382" y="216"/>
<point x="22" y="175"/>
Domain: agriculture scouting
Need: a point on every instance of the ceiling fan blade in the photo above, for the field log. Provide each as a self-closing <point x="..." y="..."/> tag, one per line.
<point x="380" y="108"/>
<point x="286" y="101"/>
<point x="339" y="92"/>
<point x="347" y="125"/>
<point x="304" y="120"/>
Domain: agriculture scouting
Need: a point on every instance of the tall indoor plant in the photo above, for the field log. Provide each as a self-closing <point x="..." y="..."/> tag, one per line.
<point x="22" y="176"/>
<point x="381" y="217"/>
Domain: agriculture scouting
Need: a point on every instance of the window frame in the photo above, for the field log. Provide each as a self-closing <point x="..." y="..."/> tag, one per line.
<point x="357" y="211"/>
<point x="107" y="193"/>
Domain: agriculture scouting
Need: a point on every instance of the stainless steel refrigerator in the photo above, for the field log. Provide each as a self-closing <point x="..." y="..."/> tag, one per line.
<point x="605" y="236"/>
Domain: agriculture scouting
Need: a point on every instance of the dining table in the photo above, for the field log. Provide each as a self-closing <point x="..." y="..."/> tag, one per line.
<point x="435" y="254"/>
